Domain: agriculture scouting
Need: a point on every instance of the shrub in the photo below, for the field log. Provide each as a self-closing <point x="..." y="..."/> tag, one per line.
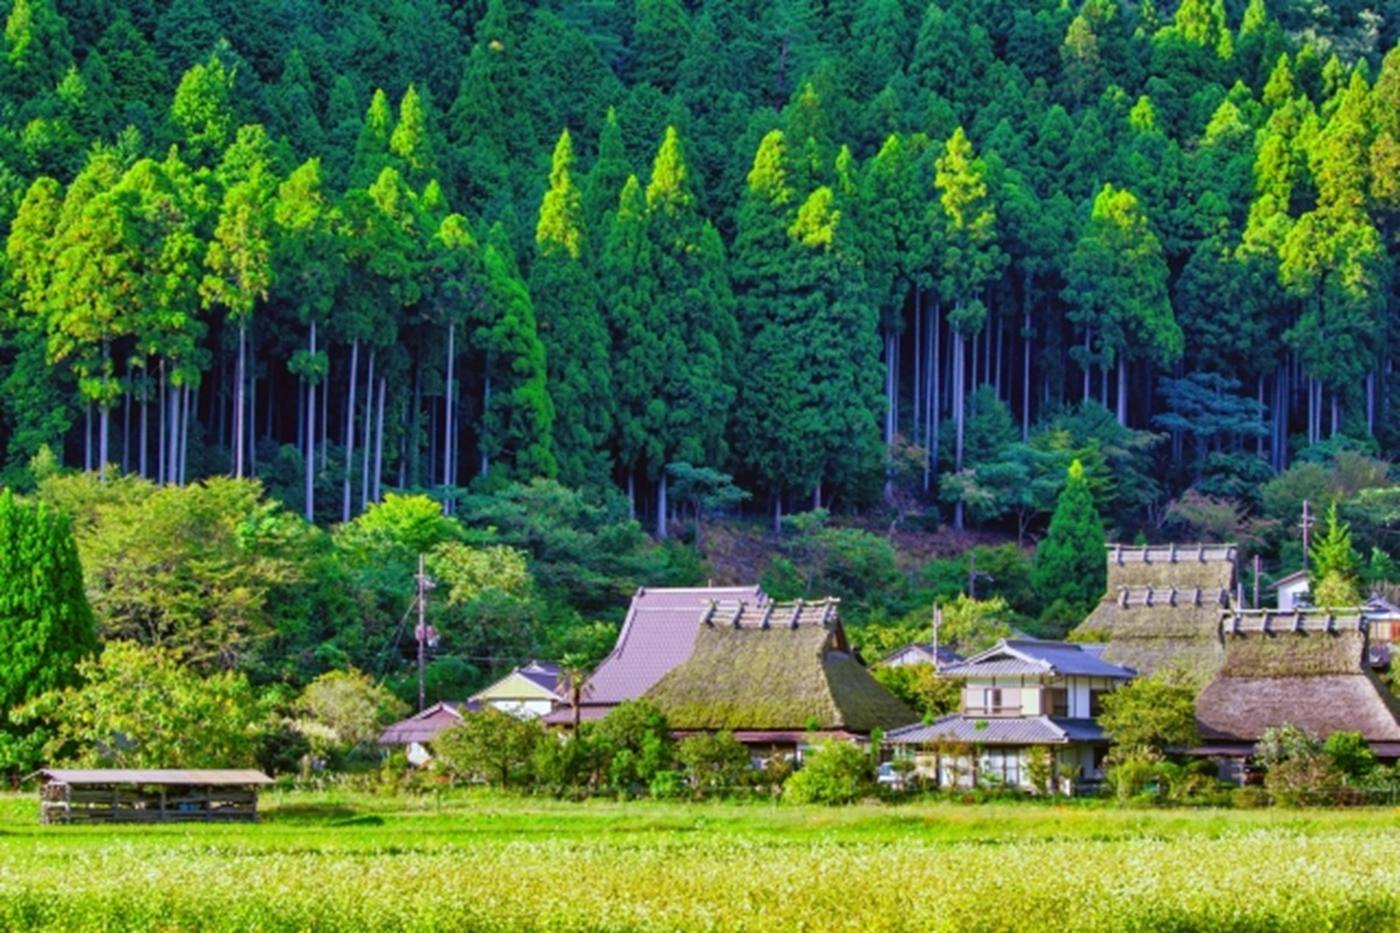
<point x="488" y="745"/>
<point x="837" y="772"/>
<point x="341" y="710"/>
<point x="632" y="743"/>
<point x="714" y="763"/>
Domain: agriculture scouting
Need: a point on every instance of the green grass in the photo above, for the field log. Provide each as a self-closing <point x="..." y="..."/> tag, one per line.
<point x="483" y="862"/>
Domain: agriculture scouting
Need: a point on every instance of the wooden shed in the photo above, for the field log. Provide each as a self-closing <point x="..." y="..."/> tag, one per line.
<point x="156" y="795"/>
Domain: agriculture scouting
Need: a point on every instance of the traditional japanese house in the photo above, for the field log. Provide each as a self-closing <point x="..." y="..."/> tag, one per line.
<point x="1308" y="668"/>
<point x="658" y="633"/>
<point x="1019" y="695"/>
<point x="1162" y="607"/>
<point x="920" y="652"/>
<point x="529" y="691"/>
<point x="778" y="676"/>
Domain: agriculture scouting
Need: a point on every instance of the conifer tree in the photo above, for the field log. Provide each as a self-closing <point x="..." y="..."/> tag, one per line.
<point x="46" y="626"/>
<point x="694" y="324"/>
<point x="1069" y="567"/>
<point x="571" y="329"/>
<point x="1335" y="566"/>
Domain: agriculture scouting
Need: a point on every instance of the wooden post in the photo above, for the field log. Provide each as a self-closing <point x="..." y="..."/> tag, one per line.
<point x="1256" y="581"/>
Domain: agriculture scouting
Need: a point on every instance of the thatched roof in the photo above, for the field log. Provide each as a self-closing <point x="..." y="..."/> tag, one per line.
<point x="1307" y="668"/>
<point x="757" y="667"/>
<point x="1151" y="628"/>
<point x="1185" y="566"/>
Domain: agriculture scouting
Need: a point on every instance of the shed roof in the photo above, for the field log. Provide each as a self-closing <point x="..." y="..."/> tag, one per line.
<point x="764" y="667"/>
<point x="1032" y="656"/>
<point x="1307" y="668"/>
<point x="221" y="777"/>
<point x="1016" y="730"/>
<point x="657" y="634"/>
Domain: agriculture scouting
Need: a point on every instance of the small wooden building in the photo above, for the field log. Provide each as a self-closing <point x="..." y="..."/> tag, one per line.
<point x="153" y="795"/>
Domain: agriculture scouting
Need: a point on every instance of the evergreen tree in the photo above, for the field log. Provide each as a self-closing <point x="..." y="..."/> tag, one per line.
<point x="46" y="626"/>
<point x="572" y="329"/>
<point x="1335" y="572"/>
<point x="1069" y="566"/>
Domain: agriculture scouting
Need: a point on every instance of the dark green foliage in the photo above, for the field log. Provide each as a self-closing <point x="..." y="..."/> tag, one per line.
<point x="1069" y="563"/>
<point x="46" y="623"/>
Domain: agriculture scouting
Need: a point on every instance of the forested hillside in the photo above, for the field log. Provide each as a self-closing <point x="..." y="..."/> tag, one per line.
<point x="862" y="254"/>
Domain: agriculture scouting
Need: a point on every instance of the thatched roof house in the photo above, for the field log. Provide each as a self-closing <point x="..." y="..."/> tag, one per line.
<point x="658" y="633"/>
<point x="1163" y="606"/>
<point x="1307" y="668"/>
<point x="774" y="675"/>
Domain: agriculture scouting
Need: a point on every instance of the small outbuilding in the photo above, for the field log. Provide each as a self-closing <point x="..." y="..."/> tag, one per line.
<point x="150" y="795"/>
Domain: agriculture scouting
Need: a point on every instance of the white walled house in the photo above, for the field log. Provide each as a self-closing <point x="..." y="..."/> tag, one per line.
<point x="1020" y="695"/>
<point x="531" y="691"/>
<point x="1293" y="591"/>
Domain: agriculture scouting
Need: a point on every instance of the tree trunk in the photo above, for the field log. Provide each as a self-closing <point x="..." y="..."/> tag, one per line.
<point x="891" y="349"/>
<point x="777" y="513"/>
<point x="325" y="414"/>
<point x="936" y="400"/>
<point x="378" y="490"/>
<point x="1000" y="353"/>
<point x="485" y="404"/>
<point x="145" y="406"/>
<point x="632" y="493"/>
<point x="1026" y="373"/>
<point x="103" y="421"/>
<point x="1371" y="402"/>
<point x="1122" y="390"/>
<point x="1086" y="364"/>
<point x="172" y="459"/>
<point x="368" y="435"/>
<point x="87" y="437"/>
<point x="1336" y="415"/>
<point x="350" y="431"/>
<point x="959" y="388"/>
<point x="918" y="362"/>
<point x="661" y="506"/>
<point x="309" y="492"/>
<point x="412" y="460"/>
<point x="185" y="436"/>
<point x="447" y="410"/>
<point x="252" y="435"/>
<point x="239" y="417"/>
<point x="126" y="421"/>
<point x="160" y="428"/>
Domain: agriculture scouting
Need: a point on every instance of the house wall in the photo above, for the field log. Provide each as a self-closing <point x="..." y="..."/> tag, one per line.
<point x="1288" y="594"/>
<point x="524" y="709"/>
<point x="1007" y="765"/>
<point x="1023" y="696"/>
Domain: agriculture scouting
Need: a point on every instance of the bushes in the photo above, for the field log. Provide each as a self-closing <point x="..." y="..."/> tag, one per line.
<point x="837" y="772"/>
<point x="490" y="746"/>
<point x="714" y="763"/>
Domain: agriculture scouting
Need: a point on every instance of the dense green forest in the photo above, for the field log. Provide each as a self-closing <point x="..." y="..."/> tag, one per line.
<point x="563" y="265"/>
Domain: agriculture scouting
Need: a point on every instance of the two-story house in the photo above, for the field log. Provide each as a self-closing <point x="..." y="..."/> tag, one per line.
<point x="1018" y="696"/>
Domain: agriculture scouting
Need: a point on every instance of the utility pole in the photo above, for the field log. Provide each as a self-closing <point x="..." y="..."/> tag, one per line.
<point x="937" y="621"/>
<point x="424" y="584"/>
<point x="1256" y="580"/>
<point x="1307" y="524"/>
<point x="971" y="574"/>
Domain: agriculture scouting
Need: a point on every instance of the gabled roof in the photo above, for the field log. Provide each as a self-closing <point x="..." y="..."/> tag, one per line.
<point x="946" y="655"/>
<point x="657" y="634"/>
<point x="540" y="681"/>
<point x="424" y="726"/>
<point x="1294" y="577"/>
<point x="1308" y="668"/>
<point x="765" y="667"/>
<point x="1015" y="730"/>
<point x="1033" y="657"/>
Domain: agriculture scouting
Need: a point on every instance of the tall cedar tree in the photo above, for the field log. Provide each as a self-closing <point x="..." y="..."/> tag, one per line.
<point x="46" y="626"/>
<point x="1069" y="566"/>
<point x="571" y="328"/>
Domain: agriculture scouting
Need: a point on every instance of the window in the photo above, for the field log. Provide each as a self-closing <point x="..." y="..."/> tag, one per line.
<point x="1056" y="702"/>
<point x="1095" y="703"/>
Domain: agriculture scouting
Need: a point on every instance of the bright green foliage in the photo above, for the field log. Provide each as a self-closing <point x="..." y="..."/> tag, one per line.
<point x="342" y="710"/>
<point x="411" y="141"/>
<point x="489" y="746"/>
<point x="468" y="573"/>
<point x="1335" y="568"/>
<point x="139" y="707"/>
<point x="835" y="773"/>
<point x="1069" y="562"/>
<point x="632" y="745"/>
<point x="921" y="688"/>
<point x="45" y="621"/>
<point x="405" y="526"/>
<point x="203" y="109"/>
<point x="572" y="328"/>
<point x="1117" y="283"/>
<point x="715" y="763"/>
<point x="970" y="254"/>
<point x="1151" y="716"/>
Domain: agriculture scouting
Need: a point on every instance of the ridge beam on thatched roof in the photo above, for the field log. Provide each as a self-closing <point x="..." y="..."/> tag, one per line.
<point x="1296" y="621"/>
<point x="1121" y="554"/>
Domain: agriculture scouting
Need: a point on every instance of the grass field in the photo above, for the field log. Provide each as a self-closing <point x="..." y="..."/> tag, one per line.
<point x="324" y="862"/>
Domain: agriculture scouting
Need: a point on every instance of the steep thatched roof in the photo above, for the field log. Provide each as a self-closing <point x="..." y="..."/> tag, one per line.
<point x="1185" y="566"/>
<point x="761" y="667"/>
<point x="1307" y="668"/>
<point x="1150" y="628"/>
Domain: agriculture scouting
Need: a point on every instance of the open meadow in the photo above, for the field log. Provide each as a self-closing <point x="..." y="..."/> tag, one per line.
<point x="492" y="863"/>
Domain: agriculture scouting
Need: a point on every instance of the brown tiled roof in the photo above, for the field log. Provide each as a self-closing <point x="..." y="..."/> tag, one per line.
<point x="424" y="726"/>
<point x="765" y="667"/>
<point x="176" y="777"/>
<point x="1306" y="668"/>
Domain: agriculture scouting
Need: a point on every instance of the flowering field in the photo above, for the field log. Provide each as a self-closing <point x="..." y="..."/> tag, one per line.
<point x="503" y="865"/>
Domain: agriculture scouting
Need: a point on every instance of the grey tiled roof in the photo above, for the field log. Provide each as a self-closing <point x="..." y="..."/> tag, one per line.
<point x="1030" y="656"/>
<point x="1016" y="730"/>
<point x="946" y="655"/>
